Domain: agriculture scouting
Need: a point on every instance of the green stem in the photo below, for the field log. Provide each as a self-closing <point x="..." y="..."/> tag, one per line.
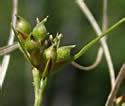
<point x="40" y="92"/>
<point x="94" y="41"/>
<point x="42" y="85"/>
<point x="39" y="84"/>
<point x="36" y="83"/>
<point x="45" y="72"/>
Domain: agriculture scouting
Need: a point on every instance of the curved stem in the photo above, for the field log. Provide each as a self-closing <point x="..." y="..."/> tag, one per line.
<point x="6" y="59"/>
<point x="103" y="42"/>
<point x="97" y="29"/>
<point x="92" y="66"/>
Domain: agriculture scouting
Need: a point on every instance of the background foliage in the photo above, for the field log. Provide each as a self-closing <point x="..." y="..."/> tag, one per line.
<point x="70" y="86"/>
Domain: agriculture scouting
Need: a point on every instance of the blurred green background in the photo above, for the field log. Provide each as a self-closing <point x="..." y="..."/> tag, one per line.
<point x="70" y="86"/>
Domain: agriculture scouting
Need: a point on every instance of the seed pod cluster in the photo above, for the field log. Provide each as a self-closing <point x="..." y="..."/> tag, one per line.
<point x="44" y="52"/>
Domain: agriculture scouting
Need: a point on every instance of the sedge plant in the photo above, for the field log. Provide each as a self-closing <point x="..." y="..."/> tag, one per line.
<point x="44" y="53"/>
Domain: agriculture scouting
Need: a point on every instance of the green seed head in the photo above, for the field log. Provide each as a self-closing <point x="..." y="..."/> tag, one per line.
<point x="39" y="31"/>
<point x="64" y="53"/>
<point x="22" y="25"/>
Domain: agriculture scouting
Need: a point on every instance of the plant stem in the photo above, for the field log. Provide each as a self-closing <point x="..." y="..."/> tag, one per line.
<point x="42" y="89"/>
<point x="6" y="58"/>
<point x="7" y="49"/>
<point x="84" y="8"/>
<point x="39" y="93"/>
<point x="94" y="41"/>
<point x="36" y="83"/>
<point x="98" y="31"/>
<point x="104" y="47"/>
<point x="114" y="90"/>
<point x="39" y="84"/>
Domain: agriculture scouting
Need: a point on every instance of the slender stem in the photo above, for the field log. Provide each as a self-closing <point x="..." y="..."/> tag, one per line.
<point x="40" y="92"/>
<point x="39" y="84"/>
<point x="87" y="13"/>
<point x="94" y="41"/>
<point x="89" y="16"/>
<point x="98" y="31"/>
<point x="45" y="69"/>
<point x="6" y="59"/>
<point x="43" y="83"/>
<point x="36" y="83"/>
<point x="92" y="66"/>
<point x="7" y="49"/>
<point x="105" y="15"/>
<point x="115" y="89"/>
<point x="42" y="89"/>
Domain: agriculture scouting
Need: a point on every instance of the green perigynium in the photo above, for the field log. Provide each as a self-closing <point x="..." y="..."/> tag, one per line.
<point x="39" y="31"/>
<point x="31" y="44"/>
<point x="23" y="28"/>
<point x="64" y="53"/>
<point x="33" y="49"/>
<point x="50" y="53"/>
